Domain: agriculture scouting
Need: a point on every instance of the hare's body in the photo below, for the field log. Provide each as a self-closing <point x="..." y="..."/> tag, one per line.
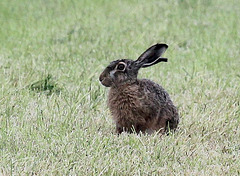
<point x="139" y="105"/>
<point x="142" y="106"/>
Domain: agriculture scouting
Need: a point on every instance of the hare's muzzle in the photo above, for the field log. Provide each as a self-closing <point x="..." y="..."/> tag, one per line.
<point x="105" y="80"/>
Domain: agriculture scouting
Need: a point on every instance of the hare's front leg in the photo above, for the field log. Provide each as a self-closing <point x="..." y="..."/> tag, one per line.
<point x="119" y="128"/>
<point x="127" y="128"/>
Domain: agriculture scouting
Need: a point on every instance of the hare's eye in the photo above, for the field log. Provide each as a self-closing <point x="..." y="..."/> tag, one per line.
<point x="121" y="67"/>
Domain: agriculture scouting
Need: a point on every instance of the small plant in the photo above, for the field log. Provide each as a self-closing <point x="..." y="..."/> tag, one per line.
<point x="46" y="85"/>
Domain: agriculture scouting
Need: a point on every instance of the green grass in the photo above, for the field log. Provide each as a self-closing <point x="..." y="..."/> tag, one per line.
<point x="61" y="126"/>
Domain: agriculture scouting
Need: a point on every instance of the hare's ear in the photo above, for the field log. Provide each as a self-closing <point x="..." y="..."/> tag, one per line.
<point x="152" y="55"/>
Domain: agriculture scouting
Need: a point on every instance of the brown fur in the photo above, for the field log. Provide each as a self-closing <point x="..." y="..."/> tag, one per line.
<point x="139" y="105"/>
<point x="135" y="108"/>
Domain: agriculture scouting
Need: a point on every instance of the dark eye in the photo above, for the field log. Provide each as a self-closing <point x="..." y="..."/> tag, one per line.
<point x="121" y="67"/>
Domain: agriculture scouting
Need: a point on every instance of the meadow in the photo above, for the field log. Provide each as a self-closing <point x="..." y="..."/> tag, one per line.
<point x="53" y="114"/>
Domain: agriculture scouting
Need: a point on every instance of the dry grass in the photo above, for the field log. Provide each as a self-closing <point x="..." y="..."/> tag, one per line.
<point x="61" y="126"/>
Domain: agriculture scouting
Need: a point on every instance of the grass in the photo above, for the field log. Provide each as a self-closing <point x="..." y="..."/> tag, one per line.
<point x="61" y="126"/>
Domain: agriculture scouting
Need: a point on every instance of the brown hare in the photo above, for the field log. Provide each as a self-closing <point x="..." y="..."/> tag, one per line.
<point x="139" y="105"/>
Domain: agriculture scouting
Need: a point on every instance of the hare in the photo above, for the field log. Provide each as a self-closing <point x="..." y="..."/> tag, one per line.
<point x="139" y="105"/>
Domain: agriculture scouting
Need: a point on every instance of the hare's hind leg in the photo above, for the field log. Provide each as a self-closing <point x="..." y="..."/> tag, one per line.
<point x="162" y="124"/>
<point x="173" y="123"/>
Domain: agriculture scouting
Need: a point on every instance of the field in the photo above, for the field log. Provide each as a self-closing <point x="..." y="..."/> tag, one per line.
<point x="53" y="114"/>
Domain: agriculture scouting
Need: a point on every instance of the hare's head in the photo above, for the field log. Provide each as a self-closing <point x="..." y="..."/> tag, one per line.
<point x="125" y="70"/>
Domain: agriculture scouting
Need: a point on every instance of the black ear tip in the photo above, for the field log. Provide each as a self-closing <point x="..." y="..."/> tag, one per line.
<point x="162" y="45"/>
<point x="163" y="59"/>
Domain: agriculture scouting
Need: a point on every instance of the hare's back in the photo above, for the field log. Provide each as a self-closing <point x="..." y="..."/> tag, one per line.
<point x="157" y="91"/>
<point x="167" y="107"/>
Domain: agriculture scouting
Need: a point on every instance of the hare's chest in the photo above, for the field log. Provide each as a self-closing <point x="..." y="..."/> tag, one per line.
<point x="123" y="101"/>
<point x="124" y="104"/>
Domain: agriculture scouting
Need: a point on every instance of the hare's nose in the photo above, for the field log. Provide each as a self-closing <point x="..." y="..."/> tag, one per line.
<point x="101" y="78"/>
